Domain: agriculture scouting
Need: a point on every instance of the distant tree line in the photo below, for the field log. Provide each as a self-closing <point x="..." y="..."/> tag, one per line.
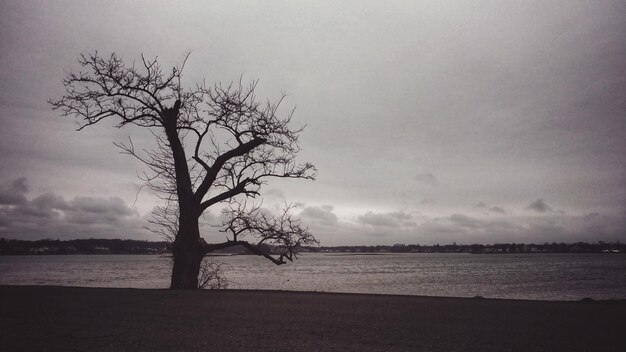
<point x="99" y="246"/>
<point x="82" y="246"/>
<point x="118" y="246"/>
<point x="498" y="248"/>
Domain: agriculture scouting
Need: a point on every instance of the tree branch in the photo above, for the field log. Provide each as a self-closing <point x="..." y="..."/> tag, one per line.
<point x="255" y="249"/>
<point x="212" y="171"/>
<point x="283" y="233"/>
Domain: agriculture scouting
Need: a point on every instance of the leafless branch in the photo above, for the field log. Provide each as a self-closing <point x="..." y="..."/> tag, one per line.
<point x="274" y="237"/>
<point x="212" y="275"/>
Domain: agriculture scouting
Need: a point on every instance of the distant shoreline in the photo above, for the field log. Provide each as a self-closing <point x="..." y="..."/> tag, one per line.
<point x="71" y="318"/>
<point x="118" y="246"/>
<point x="167" y="254"/>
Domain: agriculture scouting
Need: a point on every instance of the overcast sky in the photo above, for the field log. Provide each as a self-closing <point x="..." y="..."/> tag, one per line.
<point x="429" y="121"/>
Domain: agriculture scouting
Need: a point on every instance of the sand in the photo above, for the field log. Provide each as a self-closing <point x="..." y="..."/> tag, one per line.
<point x="40" y="318"/>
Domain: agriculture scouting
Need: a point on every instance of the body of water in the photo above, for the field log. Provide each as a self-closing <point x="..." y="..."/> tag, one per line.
<point x="524" y="276"/>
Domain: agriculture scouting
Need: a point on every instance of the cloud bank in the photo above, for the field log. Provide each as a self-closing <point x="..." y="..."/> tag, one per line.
<point x="48" y="215"/>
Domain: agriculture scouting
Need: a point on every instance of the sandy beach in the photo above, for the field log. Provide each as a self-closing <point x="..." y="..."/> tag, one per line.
<point x="46" y="318"/>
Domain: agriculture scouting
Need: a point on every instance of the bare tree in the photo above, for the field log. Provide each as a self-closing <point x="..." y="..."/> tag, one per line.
<point x="214" y="145"/>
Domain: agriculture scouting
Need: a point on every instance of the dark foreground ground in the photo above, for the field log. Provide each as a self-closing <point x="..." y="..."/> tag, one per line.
<point x="88" y="319"/>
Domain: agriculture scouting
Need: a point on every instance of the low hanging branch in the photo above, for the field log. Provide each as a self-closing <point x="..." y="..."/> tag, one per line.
<point x="214" y="145"/>
<point x="263" y="233"/>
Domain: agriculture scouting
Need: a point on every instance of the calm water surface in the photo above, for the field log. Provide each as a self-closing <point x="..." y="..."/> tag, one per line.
<point x="526" y="276"/>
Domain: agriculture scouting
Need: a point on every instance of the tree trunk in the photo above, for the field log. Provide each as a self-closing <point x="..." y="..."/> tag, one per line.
<point x="188" y="255"/>
<point x="187" y="247"/>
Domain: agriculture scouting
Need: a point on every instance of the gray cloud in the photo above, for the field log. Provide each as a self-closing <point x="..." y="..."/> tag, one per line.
<point x="497" y="209"/>
<point x="476" y="228"/>
<point x="12" y="193"/>
<point x="465" y="221"/>
<point x="394" y="220"/>
<point x="51" y="215"/>
<point x="91" y="210"/>
<point x="427" y="178"/>
<point x="490" y="208"/>
<point x="539" y="206"/>
<point x="404" y="227"/>
<point x="4" y="220"/>
<point x="466" y="229"/>
<point x="275" y="193"/>
<point x="319" y="215"/>
<point x="46" y="205"/>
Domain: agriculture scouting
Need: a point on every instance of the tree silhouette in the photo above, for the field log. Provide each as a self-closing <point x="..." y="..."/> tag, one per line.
<point x="214" y="145"/>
